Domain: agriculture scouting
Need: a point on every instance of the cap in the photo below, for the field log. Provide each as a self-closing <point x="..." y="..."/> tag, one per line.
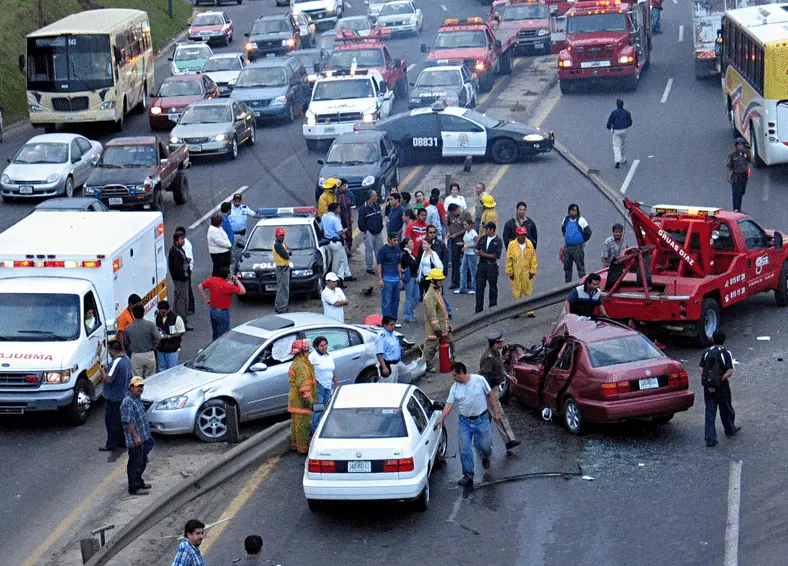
<point x="435" y="275"/>
<point x="331" y="276"/>
<point x="331" y="183"/>
<point x="136" y="380"/>
<point x="298" y="347"/>
<point x="490" y="225"/>
<point x="740" y="140"/>
<point x="495" y="337"/>
<point x="237" y="196"/>
<point x="488" y="201"/>
<point x="279" y="231"/>
<point x="522" y="231"/>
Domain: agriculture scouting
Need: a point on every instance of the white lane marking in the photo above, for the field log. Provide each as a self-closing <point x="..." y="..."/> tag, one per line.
<point x="348" y="4"/>
<point x="630" y="175"/>
<point x="681" y="34"/>
<point x="675" y="1"/>
<point x="455" y="509"/>
<point x="444" y="8"/>
<point x="411" y="66"/>
<point x="667" y="91"/>
<point x="732" y="524"/>
<point x="208" y="214"/>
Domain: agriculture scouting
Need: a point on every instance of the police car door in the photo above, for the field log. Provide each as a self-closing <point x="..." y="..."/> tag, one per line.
<point x="421" y="137"/>
<point x="462" y="137"/>
<point x="385" y="97"/>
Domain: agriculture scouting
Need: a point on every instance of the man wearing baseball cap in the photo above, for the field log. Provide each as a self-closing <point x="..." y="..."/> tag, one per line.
<point x="334" y="299"/>
<point x="738" y="167"/>
<point x="139" y="442"/>
<point x="283" y="264"/>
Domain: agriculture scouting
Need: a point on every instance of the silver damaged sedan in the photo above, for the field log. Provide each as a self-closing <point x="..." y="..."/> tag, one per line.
<point x="214" y="126"/>
<point x="246" y="370"/>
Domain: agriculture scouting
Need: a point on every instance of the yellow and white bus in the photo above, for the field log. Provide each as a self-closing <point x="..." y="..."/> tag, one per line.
<point x="94" y="66"/>
<point x="753" y="54"/>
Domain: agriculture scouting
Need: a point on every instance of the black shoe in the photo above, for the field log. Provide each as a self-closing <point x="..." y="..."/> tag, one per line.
<point x="711" y="443"/>
<point x="618" y="165"/>
<point x="465" y="480"/>
<point x="349" y="278"/>
<point x="485" y="463"/>
<point x="371" y="271"/>
<point x="147" y="486"/>
<point x="733" y="432"/>
<point x="512" y="444"/>
<point x="105" y="449"/>
<point x="189" y="329"/>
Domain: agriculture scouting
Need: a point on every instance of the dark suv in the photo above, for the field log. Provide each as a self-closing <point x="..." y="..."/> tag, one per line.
<point x="276" y="34"/>
<point x="274" y="87"/>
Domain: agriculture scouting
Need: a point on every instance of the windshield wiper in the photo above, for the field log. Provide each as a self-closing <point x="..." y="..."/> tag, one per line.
<point x="203" y="367"/>
<point x="44" y="333"/>
<point x="111" y="166"/>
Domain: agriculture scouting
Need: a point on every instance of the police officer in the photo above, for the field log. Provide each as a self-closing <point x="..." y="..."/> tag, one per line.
<point x="738" y="167"/>
<point x="281" y="255"/>
<point x="491" y="368"/>
<point x="488" y="248"/>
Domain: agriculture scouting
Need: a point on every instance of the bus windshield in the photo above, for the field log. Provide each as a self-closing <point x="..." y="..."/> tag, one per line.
<point x="69" y="63"/>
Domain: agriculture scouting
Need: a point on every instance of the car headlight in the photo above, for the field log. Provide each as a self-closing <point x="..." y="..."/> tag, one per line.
<point x="155" y="110"/>
<point x="624" y="59"/>
<point x="566" y="63"/>
<point x="280" y="100"/>
<point x="543" y="31"/>
<point x="331" y="12"/>
<point x="479" y="66"/>
<point x="248" y="275"/>
<point x="533" y="138"/>
<point x="53" y="178"/>
<point x="368" y="180"/>
<point x="289" y="42"/>
<point x="175" y="139"/>
<point x="108" y="105"/>
<point x="370" y="116"/>
<point x="34" y="108"/>
<point x="220" y="137"/>
<point x="232" y="82"/>
<point x="311" y="78"/>
<point x="302" y="273"/>
<point x="5" y="179"/>
<point x="89" y="190"/>
<point x="172" y="403"/>
<point x="54" y="377"/>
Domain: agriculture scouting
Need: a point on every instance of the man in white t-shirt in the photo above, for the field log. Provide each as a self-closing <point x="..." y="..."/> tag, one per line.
<point x="334" y="299"/>
<point x="471" y="393"/>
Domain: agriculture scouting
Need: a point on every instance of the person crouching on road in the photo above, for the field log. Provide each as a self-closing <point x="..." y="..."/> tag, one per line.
<point x="303" y="394"/>
<point x="282" y="262"/>
<point x="491" y="367"/>
<point x="188" y="553"/>
<point x="172" y="330"/>
<point x="521" y="265"/>
<point x="389" y="351"/>
<point x="472" y="395"/>
<point x="436" y="318"/>
<point x="138" y="438"/>
<point x="325" y="375"/>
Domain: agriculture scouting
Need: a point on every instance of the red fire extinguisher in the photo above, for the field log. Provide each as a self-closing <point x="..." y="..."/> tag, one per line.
<point x="444" y="356"/>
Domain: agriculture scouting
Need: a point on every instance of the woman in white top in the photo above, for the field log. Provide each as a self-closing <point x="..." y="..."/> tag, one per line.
<point x="455" y="197"/>
<point x="219" y="245"/>
<point x="325" y="375"/>
<point x="429" y="260"/>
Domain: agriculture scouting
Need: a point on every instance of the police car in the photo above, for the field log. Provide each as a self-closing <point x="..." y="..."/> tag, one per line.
<point x="429" y="134"/>
<point x="447" y="82"/>
<point x="256" y="268"/>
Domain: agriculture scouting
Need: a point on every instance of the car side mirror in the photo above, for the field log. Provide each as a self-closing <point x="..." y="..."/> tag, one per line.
<point x="320" y="162"/>
<point x="498" y="44"/>
<point x="260" y="366"/>
<point x="438" y="405"/>
<point x="318" y="407"/>
<point x="425" y="48"/>
<point x="777" y="239"/>
<point x="163" y="161"/>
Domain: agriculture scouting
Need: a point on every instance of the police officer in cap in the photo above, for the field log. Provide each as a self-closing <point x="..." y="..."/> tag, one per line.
<point x="738" y="167"/>
<point x="491" y="367"/>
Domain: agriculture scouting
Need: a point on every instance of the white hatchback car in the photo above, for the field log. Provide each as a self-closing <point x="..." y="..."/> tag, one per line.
<point x="375" y="441"/>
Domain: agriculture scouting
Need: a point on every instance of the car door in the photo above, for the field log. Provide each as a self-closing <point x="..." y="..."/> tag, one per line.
<point x="79" y="167"/>
<point x="229" y="23"/>
<point x="387" y="165"/>
<point x="96" y="337"/>
<point x="267" y="389"/>
<point x="462" y="137"/>
<point x="239" y="121"/>
<point x="210" y="90"/>
<point x="560" y="374"/>
<point x="346" y="347"/>
<point x="421" y="136"/>
<point x="432" y="436"/>
<point x="469" y="86"/>
<point x="89" y="155"/>
<point x="422" y="447"/>
<point x="386" y="97"/>
<point x="762" y="258"/>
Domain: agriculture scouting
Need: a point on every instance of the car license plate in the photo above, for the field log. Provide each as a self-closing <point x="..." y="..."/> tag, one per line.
<point x="25" y="190"/>
<point x="594" y="64"/>
<point x="330" y="130"/>
<point x="174" y="117"/>
<point x="649" y="383"/>
<point x="193" y="147"/>
<point x="539" y="45"/>
<point x="270" y="287"/>
<point x="115" y="201"/>
<point x="360" y="466"/>
<point x="256" y="113"/>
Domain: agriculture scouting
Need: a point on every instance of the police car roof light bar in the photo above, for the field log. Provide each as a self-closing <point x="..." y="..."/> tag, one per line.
<point x="287" y="211"/>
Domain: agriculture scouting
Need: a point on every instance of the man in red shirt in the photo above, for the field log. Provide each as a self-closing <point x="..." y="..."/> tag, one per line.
<point x="417" y="230"/>
<point x="221" y="298"/>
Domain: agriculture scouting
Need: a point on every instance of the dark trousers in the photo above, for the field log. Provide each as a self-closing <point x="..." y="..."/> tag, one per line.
<point x="220" y="321"/>
<point x="720" y="398"/>
<point x="191" y="297"/>
<point x="219" y="260"/>
<point x="456" y="261"/>
<point x="115" y="437"/>
<point x="138" y="461"/>
<point x="574" y="255"/>
<point x="738" y="188"/>
<point x="486" y="273"/>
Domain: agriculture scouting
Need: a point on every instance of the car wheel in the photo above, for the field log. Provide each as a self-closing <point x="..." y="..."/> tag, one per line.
<point x="69" y="189"/>
<point x="401" y="88"/>
<point x="311" y="145"/>
<point x="422" y="502"/>
<point x="78" y="411"/>
<point x="314" y="505"/>
<point x="234" y="150"/>
<point x="443" y="444"/>
<point x="781" y="292"/>
<point x="708" y="323"/>
<point x="572" y="417"/>
<point x="369" y="375"/>
<point x="315" y="293"/>
<point x="212" y="422"/>
<point x="504" y="151"/>
<point x="252" y="136"/>
<point x="567" y="86"/>
<point x="180" y="188"/>
<point x="8" y="199"/>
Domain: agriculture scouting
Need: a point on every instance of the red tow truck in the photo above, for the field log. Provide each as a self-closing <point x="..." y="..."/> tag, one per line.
<point x="689" y="264"/>
<point x="605" y="40"/>
<point x="527" y="22"/>
<point x="369" y="52"/>
<point x="472" y="43"/>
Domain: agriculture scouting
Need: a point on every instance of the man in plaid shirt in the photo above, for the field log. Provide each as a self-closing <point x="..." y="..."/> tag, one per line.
<point x="188" y="553"/>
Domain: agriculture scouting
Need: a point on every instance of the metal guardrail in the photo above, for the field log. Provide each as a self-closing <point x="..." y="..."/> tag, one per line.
<point x="261" y="446"/>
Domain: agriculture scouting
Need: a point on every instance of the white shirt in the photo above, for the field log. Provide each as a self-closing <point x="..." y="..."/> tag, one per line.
<point x="471" y="397"/>
<point x="425" y="266"/>
<point x="459" y="200"/>
<point x="187" y="249"/>
<point x="218" y="242"/>
<point x="522" y="246"/>
<point x="487" y="245"/>
<point x="331" y="297"/>
<point x="324" y="368"/>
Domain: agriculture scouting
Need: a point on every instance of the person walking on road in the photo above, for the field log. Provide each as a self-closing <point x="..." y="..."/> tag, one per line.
<point x="656" y="16"/>
<point x="221" y="293"/>
<point x="325" y="375"/>
<point x="619" y="122"/>
<point x="490" y="215"/>
<point x="188" y="553"/>
<point x="491" y="367"/>
<point x="738" y="168"/>
<point x="172" y="330"/>
<point x="219" y="245"/>
<point x="334" y="300"/>
<point x="614" y="246"/>
<point x="521" y="265"/>
<point x="253" y="545"/>
<point x="716" y="368"/>
<point x="334" y="233"/>
<point x="303" y="394"/>
<point x="143" y="338"/>
<point x="188" y="249"/>
<point x="468" y="263"/>
<point x="576" y="233"/>
<point x="520" y="219"/>
<point x="282" y="263"/>
<point x="489" y="249"/>
<point x="139" y="441"/>
<point x="180" y="272"/>
<point x="473" y="396"/>
<point x="116" y="378"/>
<point x="370" y="223"/>
<point x="458" y="216"/>
<point x="390" y="276"/>
<point x="436" y="318"/>
<point x="388" y="350"/>
<point x="329" y="196"/>
<point x="409" y="266"/>
<point x="480" y="190"/>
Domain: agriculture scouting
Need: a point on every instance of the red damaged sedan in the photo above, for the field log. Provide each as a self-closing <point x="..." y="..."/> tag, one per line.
<point x="598" y="371"/>
<point x="175" y="94"/>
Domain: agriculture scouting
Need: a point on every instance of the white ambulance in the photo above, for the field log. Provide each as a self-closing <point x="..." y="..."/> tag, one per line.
<point x="54" y="267"/>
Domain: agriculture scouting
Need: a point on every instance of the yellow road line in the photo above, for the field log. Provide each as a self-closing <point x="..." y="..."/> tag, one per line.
<point x="498" y="176"/>
<point x="546" y="111"/>
<point x="404" y="183"/>
<point x="484" y="98"/>
<point x="78" y="512"/>
<point x="240" y="500"/>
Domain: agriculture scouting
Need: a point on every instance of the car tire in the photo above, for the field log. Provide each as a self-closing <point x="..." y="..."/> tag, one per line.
<point x="662" y="421"/>
<point x="234" y="149"/>
<point x="781" y="292"/>
<point x="290" y="118"/>
<point x="504" y="151"/>
<point x="68" y="190"/>
<point x="631" y="83"/>
<point x="78" y="411"/>
<point x="316" y="506"/>
<point x="312" y="145"/>
<point x="708" y="323"/>
<point x="567" y="86"/>
<point x="443" y="444"/>
<point x="505" y="63"/>
<point x="573" y="418"/>
<point x="180" y="188"/>
<point x="211" y="423"/>
<point x="401" y="88"/>
<point x="756" y="154"/>
<point x="158" y="200"/>
<point x="318" y="289"/>
<point x="252" y="136"/>
<point x="486" y="83"/>
<point x="369" y="375"/>
<point x="422" y="502"/>
<point x="7" y="200"/>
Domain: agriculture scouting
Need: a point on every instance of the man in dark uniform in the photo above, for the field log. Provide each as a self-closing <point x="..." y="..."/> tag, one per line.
<point x="491" y="368"/>
<point x="488" y="248"/>
<point x="738" y="167"/>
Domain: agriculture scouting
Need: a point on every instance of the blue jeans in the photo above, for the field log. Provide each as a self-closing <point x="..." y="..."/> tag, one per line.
<point x="655" y="16"/>
<point x="166" y="360"/>
<point x="323" y="396"/>
<point x="446" y="300"/>
<point x="389" y="298"/>
<point x="411" y="298"/>
<point x="477" y="432"/>
<point x="720" y="398"/>
<point x="220" y="322"/>
<point x="468" y="265"/>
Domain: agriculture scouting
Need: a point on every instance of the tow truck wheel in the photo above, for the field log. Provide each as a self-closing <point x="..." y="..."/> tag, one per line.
<point x="77" y="412"/>
<point x="572" y="417"/>
<point x="567" y="87"/>
<point x="505" y="63"/>
<point x="708" y="323"/>
<point x="781" y="292"/>
<point x="311" y="145"/>
<point x="631" y="83"/>
<point x="486" y="82"/>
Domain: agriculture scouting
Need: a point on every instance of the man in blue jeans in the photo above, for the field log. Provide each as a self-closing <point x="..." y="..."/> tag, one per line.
<point x="390" y="276"/>
<point x="116" y="380"/>
<point x="472" y="395"/>
<point x="720" y="396"/>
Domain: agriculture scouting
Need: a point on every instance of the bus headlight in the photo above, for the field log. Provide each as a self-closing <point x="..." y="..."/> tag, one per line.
<point x="108" y="105"/>
<point x="53" y="178"/>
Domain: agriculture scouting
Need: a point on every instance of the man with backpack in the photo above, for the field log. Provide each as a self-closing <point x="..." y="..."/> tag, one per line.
<point x="716" y="367"/>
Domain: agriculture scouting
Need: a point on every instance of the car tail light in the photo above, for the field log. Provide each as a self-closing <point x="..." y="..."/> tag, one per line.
<point x="615" y="388"/>
<point x="401" y="465"/>
<point x="322" y="466"/>
<point x="680" y="379"/>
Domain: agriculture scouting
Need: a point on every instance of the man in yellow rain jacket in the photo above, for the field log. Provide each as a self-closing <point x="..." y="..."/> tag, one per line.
<point x="303" y="394"/>
<point x="329" y="195"/>
<point x="436" y="317"/>
<point x="521" y="264"/>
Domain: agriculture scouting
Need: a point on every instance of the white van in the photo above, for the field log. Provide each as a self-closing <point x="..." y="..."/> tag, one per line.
<point x="54" y="266"/>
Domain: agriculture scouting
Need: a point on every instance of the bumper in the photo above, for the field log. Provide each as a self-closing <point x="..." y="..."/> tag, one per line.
<point x="537" y="43"/>
<point x="163" y="120"/>
<point x="208" y="38"/>
<point x="182" y="72"/>
<point x="127" y="201"/>
<point x="324" y="132"/>
<point x="31" y="191"/>
<point x="177" y="421"/>
<point x="322" y="17"/>
<point x="259" y="53"/>
<point x="267" y="284"/>
<point x="271" y="111"/>
<point x="209" y="148"/>
<point x="645" y="407"/>
<point x="44" y="117"/>
<point x="406" y="28"/>
<point x="19" y="403"/>
<point x="612" y="72"/>
<point x="533" y="148"/>
<point x="370" y="490"/>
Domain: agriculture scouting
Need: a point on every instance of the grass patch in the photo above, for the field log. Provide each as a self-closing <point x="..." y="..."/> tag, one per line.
<point x="20" y="17"/>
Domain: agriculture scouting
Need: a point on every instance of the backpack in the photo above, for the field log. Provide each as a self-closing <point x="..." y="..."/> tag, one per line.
<point x="713" y="368"/>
